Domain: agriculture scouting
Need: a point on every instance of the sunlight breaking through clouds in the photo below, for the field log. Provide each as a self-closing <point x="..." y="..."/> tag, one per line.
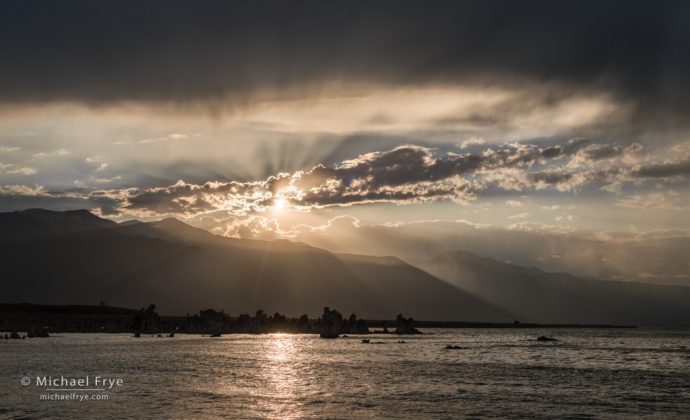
<point x="403" y="175"/>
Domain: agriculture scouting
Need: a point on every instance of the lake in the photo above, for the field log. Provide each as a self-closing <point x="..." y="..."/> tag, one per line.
<point x="495" y="373"/>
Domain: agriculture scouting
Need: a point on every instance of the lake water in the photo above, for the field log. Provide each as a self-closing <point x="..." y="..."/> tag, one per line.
<point x="497" y="373"/>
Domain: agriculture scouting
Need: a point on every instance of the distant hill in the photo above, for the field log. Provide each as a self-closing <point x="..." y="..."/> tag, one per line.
<point x="75" y="257"/>
<point x="534" y="295"/>
<point x="78" y="258"/>
<point x="33" y="223"/>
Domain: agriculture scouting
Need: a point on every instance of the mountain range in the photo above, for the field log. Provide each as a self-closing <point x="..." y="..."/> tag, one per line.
<point x="75" y="257"/>
<point x="561" y="297"/>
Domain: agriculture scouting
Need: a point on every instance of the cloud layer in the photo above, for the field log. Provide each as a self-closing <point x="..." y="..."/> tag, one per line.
<point x="403" y="175"/>
<point x="180" y="51"/>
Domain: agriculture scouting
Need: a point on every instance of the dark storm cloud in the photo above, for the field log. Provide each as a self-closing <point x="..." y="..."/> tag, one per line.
<point x="186" y="198"/>
<point x="568" y="179"/>
<point x="608" y="151"/>
<point x="663" y="170"/>
<point x="98" y="51"/>
<point x="549" y="178"/>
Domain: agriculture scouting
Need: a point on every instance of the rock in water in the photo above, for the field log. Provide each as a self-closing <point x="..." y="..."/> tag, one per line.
<point x="405" y="325"/>
<point x="147" y="320"/>
<point x="545" y="338"/>
<point x="330" y="323"/>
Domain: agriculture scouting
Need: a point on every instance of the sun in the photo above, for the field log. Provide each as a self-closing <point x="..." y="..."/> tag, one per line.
<point x="279" y="205"/>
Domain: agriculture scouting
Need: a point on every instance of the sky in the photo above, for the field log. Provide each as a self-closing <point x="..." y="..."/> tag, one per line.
<point x="546" y="133"/>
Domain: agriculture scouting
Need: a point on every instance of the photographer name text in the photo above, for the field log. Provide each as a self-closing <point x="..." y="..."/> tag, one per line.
<point x="78" y="382"/>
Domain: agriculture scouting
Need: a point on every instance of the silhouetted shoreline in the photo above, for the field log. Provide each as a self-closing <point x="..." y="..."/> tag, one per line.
<point x="463" y="324"/>
<point x="41" y="320"/>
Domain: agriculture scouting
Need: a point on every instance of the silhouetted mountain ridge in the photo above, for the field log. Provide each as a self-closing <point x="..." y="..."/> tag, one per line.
<point x="182" y="269"/>
<point x="32" y="223"/>
<point x="76" y="257"/>
<point x="533" y="294"/>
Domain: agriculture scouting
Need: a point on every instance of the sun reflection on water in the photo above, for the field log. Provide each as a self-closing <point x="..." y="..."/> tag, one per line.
<point x="281" y="347"/>
<point x="283" y="374"/>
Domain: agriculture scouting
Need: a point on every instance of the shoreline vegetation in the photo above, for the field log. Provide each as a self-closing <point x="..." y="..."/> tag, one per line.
<point x="42" y="320"/>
